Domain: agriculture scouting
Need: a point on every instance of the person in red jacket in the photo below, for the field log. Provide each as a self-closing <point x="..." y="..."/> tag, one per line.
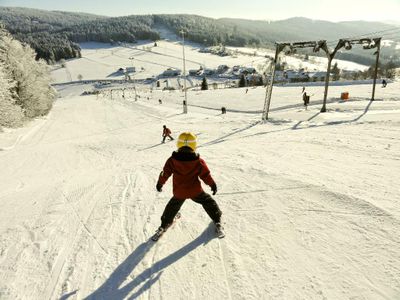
<point x="187" y="167"/>
<point x="166" y="133"/>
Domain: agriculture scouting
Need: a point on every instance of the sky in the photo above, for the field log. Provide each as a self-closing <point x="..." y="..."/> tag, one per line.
<point x="338" y="10"/>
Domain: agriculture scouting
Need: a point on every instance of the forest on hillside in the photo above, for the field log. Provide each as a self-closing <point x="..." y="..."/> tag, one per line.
<point x="55" y="35"/>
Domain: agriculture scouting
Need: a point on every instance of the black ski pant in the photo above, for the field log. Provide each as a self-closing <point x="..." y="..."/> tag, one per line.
<point x="165" y="136"/>
<point x="174" y="205"/>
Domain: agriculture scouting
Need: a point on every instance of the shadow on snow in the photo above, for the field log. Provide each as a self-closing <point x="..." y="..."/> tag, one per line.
<point x="332" y="123"/>
<point x="113" y="288"/>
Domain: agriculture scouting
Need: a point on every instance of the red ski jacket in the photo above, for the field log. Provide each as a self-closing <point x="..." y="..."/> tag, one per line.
<point x="166" y="132"/>
<point x="186" y="168"/>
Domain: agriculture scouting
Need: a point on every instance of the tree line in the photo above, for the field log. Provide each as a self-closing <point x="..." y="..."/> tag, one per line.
<point x="25" y="90"/>
<point x="208" y="31"/>
<point x="50" y="47"/>
<point x="57" y="38"/>
<point x="54" y="35"/>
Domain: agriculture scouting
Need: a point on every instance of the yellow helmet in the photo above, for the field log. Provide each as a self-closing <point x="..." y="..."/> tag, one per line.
<point x="187" y="139"/>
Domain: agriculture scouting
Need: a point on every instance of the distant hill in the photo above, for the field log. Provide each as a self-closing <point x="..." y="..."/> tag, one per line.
<point x="54" y="34"/>
<point x="392" y="22"/>
<point x="43" y="30"/>
<point x="306" y="29"/>
<point x="301" y="29"/>
<point x="28" y="20"/>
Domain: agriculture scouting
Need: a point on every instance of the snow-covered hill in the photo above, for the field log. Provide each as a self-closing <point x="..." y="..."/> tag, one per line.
<point x="102" y="61"/>
<point x="310" y="201"/>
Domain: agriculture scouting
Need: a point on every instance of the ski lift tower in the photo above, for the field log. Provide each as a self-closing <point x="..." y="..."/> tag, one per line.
<point x="347" y="44"/>
<point x="288" y="48"/>
<point x="133" y="80"/>
<point x="185" y="110"/>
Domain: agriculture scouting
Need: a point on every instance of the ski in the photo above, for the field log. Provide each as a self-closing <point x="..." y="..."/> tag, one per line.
<point x="160" y="231"/>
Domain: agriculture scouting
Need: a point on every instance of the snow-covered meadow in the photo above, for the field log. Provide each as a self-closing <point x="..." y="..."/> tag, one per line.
<point x="310" y="200"/>
<point x="102" y="61"/>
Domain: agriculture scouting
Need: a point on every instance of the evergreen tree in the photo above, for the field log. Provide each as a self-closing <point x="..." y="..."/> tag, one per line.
<point x="369" y="73"/>
<point x="204" y="84"/>
<point x="336" y="72"/>
<point x="260" y="81"/>
<point x="242" y="81"/>
<point x="389" y="70"/>
<point x="281" y="66"/>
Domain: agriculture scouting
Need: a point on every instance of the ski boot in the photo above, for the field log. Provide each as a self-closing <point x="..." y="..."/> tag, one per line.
<point x="159" y="232"/>
<point x="219" y="230"/>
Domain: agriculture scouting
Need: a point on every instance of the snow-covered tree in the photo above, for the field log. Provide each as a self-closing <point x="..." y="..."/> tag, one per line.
<point x="34" y="94"/>
<point x="11" y="115"/>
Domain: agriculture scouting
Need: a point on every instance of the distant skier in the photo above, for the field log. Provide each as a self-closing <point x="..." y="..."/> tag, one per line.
<point x="384" y="83"/>
<point x="166" y="133"/>
<point x="187" y="167"/>
<point x="306" y="99"/>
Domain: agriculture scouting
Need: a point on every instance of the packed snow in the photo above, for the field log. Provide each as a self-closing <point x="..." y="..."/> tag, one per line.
<point x="310" y="200"/>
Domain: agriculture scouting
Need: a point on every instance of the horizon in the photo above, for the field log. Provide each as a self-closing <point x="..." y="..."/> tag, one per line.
<point x="366" y="10"/>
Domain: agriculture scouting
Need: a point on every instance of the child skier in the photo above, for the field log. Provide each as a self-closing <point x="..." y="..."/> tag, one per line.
<point x="166" y="133"/>
<point x="187" y="167"/>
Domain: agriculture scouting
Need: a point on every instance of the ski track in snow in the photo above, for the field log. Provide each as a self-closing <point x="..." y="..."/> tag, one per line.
<point x="125" y="199"/>
<point x="221" y="254"/>
<point x="309" y="200"/>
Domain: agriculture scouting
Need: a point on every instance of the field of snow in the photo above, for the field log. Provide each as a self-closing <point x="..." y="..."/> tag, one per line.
<point x="102" y="61"/>
<point x="310" y="201"/>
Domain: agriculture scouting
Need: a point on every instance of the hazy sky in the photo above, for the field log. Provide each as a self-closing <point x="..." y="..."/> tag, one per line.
<point x="336" y="10"/>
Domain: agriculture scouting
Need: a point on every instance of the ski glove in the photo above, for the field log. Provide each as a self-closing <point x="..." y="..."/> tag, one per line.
<point x="214" y="188"/>
<point x="159" y="187"/>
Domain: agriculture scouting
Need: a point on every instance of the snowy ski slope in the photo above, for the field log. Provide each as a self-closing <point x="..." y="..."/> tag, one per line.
<point x="310" y="201"/>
